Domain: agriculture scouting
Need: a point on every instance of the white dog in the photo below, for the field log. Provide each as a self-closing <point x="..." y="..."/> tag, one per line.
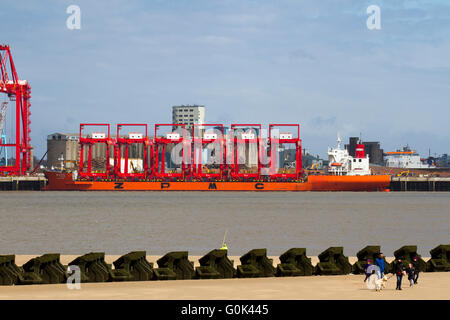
<point x="381" y="283"/>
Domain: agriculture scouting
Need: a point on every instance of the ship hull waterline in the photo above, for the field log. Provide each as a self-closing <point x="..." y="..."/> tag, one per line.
<point x="64" y="181"/>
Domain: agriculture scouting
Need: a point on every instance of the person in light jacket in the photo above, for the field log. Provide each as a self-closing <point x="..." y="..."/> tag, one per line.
<point x="365" y="266"/>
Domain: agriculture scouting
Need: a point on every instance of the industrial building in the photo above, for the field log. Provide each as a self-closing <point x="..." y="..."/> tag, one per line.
<point x="373" y="149"/>
<point x="62" y="148"/>
<point x="188" y="115"/>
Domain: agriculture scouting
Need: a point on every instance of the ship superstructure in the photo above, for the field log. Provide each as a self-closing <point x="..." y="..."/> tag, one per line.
<point x="341" y="163"/>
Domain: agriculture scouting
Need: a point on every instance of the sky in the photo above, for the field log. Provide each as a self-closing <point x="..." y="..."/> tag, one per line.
<point x="289" y="61"/>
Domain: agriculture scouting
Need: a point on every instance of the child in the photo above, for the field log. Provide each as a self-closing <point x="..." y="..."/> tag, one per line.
<point x="365" y="266"/>
<point x="411" y="271"/>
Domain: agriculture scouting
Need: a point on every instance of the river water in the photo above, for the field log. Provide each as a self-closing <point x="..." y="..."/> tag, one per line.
<point x="159" y="222"/>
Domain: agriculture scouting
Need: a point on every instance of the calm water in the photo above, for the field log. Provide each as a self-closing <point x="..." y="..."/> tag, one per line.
<point x="79" y="222"/>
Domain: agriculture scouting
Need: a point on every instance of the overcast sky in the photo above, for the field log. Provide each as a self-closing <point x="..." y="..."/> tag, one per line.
<point x="303" y="61"/>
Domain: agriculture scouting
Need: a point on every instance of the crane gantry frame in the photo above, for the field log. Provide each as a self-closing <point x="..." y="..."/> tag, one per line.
<point x="20" y="92"/>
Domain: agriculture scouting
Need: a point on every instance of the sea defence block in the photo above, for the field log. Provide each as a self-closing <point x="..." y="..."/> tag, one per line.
<point x="164" y="274"/>
<point x="178" y="263"/>
<point x="440" y="259"/>
<point x="10" y="273"/>
<point x="46" y="269"/>
<point x="407" y="253"/>
<point x="333" y="262"/>
<point x="369" y="252"/>
<point x="294" y="262"/>
<point x="132" y="266"/>
<point x="215" y="265"/>
<point x="255" y="264"/>
<point x="93" y="267"/>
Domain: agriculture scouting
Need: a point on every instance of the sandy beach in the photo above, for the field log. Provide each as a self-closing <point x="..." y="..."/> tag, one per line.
<point x="431" y="286"/>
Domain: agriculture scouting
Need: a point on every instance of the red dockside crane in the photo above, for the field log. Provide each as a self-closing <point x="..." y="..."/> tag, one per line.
<point x="90" y="140"/>
<point x="20" y="92"/>
<point x="138" y="138"/>
<point x="201" y="138"/>
<point x="280" y="138"/>
<point x="162" y="143"/>
<point x="250" y="135"/>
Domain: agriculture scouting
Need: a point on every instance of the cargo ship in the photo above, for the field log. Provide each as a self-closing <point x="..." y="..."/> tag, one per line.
<point x="344" y="172"/>
<point x="64" y="181"/>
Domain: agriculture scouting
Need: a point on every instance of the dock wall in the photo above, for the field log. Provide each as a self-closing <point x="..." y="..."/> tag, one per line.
<point x="420" y="184"/>
<point x="22" y="183"/>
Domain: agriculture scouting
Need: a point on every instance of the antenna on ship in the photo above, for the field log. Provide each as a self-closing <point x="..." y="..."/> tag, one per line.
<point x="224" y="245"/>
<point x="338" y="140"/>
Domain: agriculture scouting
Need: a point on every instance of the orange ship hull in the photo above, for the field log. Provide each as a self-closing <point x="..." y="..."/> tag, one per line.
<point x="64" y="181"/>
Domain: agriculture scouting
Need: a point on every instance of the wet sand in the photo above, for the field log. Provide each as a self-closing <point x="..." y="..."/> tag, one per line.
<point x="431" y="286"/>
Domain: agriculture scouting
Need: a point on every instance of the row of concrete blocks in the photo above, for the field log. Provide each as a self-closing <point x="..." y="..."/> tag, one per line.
<point x="134" y="266"/>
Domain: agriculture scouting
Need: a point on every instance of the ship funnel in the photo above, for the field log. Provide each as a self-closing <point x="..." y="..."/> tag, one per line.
<point x="359" y="152"/>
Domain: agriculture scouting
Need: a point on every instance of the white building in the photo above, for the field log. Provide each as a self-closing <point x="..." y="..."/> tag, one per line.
<point x="188" y="115"/>
<point x="406" y="158"/>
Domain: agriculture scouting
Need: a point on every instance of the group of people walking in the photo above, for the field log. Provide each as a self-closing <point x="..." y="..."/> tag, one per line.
<point x="399" y="269"/>
<point x="412" y="271"/>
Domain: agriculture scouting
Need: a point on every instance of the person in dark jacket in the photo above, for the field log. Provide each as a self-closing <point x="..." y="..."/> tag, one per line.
<point x="381" y="264"/>
<point x="399" y="270"/>
<point x="415" y="264"/>
<point x="410" y="271"/>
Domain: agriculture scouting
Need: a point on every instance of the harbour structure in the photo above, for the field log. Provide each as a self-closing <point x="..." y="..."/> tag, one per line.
<point x="18" y="91"/>
<point x="407" y="159"/>
<point x="3" y="149"/>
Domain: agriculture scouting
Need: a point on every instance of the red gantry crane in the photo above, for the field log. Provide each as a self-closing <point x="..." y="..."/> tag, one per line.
<point x="162" y="143"/>
<point x="203" y="137"/>
<point x="20" y="92"/>
<point x="89" y="141"/>
<point x="137" y="138"/>
<point x="278" y="138"/>
<point x="243" y="136"/>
